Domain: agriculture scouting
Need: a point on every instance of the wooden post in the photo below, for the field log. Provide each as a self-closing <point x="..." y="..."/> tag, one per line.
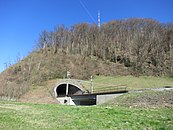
<point x="171" y="59"/>
<point x="68" y="75"/>
<point x="91" y="86"/>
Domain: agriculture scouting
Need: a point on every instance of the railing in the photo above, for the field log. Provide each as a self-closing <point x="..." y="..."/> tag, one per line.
<point x="102" y="88"/>
<point x="111" y="89"/>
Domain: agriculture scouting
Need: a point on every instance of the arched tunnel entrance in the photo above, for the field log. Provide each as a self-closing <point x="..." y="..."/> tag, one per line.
<point x="71" y="94"/>
<point x="67" y="90"/>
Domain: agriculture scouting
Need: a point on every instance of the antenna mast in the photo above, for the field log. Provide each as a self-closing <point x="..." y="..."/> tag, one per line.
<point x="99" y="22"/>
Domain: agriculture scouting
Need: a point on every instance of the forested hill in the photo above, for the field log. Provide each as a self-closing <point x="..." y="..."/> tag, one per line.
<point x="145" y="45"/>
<point x="121" y="47"/>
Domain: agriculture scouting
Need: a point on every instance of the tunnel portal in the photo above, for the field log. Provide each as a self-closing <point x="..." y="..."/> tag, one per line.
<point x="72" y="94"/>
<point x="66" y="89"/>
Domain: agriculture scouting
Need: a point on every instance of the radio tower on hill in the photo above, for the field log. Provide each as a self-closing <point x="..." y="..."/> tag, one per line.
<point x="99" y="21"/>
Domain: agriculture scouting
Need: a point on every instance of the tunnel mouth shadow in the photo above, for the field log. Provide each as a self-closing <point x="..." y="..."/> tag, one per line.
<point x="71" y="94"/>
<point x="65" y="89"/>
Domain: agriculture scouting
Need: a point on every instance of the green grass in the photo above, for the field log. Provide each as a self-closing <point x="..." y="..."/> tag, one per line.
<point x="144" y="99"/>
<point x="16" y="116"/>
<point x="132" y="83"/>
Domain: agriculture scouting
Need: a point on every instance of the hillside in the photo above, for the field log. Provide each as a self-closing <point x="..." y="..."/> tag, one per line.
<point x="136" y="47"/>
<point x="42" y="65"/>
<point x="140" y="43"/>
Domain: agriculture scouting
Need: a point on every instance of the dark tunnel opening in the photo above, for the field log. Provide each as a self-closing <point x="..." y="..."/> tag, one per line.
<point x="61" y="90"/>
<point x="72" y="90"/>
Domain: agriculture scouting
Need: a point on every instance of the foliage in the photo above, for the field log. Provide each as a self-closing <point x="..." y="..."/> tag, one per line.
<point x="41" y="116"/>
<point x="143" y="44"/>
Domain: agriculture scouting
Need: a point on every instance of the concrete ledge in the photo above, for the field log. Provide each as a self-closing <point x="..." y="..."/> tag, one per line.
<point x="100" y="99"/>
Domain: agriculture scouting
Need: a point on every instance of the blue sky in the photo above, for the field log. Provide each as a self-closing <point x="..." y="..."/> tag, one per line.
<point x="21" y="21"/>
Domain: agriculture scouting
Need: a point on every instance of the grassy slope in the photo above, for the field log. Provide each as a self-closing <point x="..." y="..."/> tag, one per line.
<point x="144" y="99"/>
<point x="41" y="94"/>
<point x="133" y="83"/>
<point x="41" y="116"/>
<point x="16" y="116"/>
<point x="41" y="66"/>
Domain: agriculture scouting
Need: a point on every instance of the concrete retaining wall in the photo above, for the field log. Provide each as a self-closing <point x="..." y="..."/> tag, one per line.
<point x="100" y="99"/>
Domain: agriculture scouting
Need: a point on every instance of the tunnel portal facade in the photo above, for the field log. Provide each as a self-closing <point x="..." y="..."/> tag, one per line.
<point x="67" y="89"/>
<point x="72" y="94"/>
